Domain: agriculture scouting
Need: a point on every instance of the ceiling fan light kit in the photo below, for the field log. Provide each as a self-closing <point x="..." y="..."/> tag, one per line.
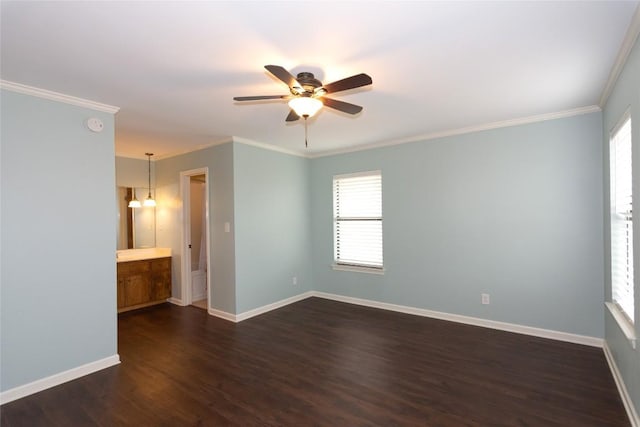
<point x="305" y="106"/>
<point x="308" y="94"/>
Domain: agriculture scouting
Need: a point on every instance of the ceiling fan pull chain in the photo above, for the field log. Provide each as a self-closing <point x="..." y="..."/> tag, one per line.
<point x="306" y="145"/>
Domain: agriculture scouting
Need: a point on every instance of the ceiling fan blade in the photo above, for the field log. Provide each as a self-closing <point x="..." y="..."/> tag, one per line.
<point x="259" y="97"/>
<point x="292" y="117"/>
<point x="349" y="83"/>
<point x="345" y="107"/>
<point x="286" y="77"/>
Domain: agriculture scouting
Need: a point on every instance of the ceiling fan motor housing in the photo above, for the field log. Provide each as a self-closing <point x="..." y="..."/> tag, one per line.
<point x="309" y="82"/>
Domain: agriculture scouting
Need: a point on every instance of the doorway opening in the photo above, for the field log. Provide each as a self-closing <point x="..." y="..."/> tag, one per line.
<point x="196" y="241"/>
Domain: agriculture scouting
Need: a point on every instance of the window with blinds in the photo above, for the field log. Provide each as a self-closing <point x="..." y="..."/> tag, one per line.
<point x="621" y="219"/>
<point x="357" y="219"/>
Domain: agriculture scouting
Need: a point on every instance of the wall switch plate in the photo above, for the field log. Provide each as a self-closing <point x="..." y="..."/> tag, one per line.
<point x="227" y="227"/>
<point x="485" y="299"/>
<point x="295" y="280"/>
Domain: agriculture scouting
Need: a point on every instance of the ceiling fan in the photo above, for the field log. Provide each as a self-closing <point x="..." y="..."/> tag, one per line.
<point x="308" y="93"/>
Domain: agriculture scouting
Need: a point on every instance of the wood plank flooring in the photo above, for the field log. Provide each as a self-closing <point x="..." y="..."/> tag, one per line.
<point x="325" y="363"/>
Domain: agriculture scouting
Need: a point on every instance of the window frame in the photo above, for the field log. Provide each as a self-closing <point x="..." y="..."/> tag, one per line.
<point x="624" y="319"/>
<point x="355" y="266"/>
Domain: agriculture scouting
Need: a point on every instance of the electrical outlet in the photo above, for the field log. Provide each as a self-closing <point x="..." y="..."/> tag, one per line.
<point x="294" y="280"/>
<point x="486" y="299"/>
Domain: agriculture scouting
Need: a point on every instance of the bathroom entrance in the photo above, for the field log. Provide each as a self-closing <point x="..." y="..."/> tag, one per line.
<point x="195" y="264"/>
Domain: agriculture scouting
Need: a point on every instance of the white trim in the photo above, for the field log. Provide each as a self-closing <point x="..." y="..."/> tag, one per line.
<point x="358" y="269"/>
<point x="185" y="193"/>
<point x="358" y="174"/>
<point x="269" y="147"/>
<point x="56" y="96"/>
<point x="222" y="314"/>
<point x="492" y="324"/>
<point x="273" y="306"/>
<point x="138" y="157"/>
<point x="465" y="130"/>
<point x="222" y="141"/>
<point x="227" y="140"/>
<point x="57" y="379"/>
<point x="621" y="122"/>
<point x="623" y="55"/>
<point x="185" y="209"/>
<point x="622" y="389"/>
<point x="417" y="138"/>
<point x="207" y="179"/>
<point x="625" y="325"/>
<point x="260" y="310"/>
<point x="176" y="301"/>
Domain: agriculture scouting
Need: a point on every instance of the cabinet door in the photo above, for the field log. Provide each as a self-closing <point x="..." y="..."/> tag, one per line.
<point x="137" y="290"/>
<point x="161" y="278"/>
<point x="134" y="283"/>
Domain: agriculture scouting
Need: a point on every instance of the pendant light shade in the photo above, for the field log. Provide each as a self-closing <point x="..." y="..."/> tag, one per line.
<point x="134" y="203"/>
<point x="149" y="201"/>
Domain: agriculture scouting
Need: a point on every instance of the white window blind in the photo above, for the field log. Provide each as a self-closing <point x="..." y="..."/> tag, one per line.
<point x="357" y="219"/>
<point x="621" y="219"/>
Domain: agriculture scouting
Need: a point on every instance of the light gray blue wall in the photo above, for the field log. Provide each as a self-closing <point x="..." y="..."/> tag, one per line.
<point x="58" y="287"/>
<point x="626" y="94"/>
<point x="272" y="226"/>
<point x="514" y="212"/>
<point x="219" y="160"/>
<point x="133" y="173"/>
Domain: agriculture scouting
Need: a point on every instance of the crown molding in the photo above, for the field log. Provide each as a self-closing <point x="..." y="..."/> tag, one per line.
<point x="625" y="49"/>
<point x="417" y="138"/>
<point x="222" y="141"/>
<point x="465" y="130"/>
<point x="127" y="156"/>
<point x="269" y="147"/>
<point x="56" y="96"/>
<point x="237" y="139"/>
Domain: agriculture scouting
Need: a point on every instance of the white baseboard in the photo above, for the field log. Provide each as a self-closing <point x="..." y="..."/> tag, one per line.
<point x="62" y="377"/>
<point x="492" y="324"/>
<point x="622" y="389"/>
<point x="176" y="301"/>
<point x="266" y="308"/>
<point x="57" y="379"/>
<point x="222" y="314"/>
<point x="260" y="310"/>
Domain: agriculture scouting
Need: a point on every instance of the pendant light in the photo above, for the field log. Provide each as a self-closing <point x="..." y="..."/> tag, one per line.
<point x="149" y="202"/>
<point x="134" y="203"/>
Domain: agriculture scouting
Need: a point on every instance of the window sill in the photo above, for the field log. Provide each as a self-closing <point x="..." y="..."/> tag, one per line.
<point x="358" y="269"/>
<point x="625" y="325"/>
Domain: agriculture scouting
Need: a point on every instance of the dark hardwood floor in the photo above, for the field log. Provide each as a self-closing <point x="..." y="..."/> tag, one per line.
<point x="325" y="363"/>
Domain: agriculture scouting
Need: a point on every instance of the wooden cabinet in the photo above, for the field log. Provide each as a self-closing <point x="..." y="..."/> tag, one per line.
<point x="161" y="278"/>
<point x="143" y="283"/>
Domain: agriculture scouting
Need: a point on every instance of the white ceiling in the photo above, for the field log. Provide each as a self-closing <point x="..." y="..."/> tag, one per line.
<point x="174" y="67"/>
